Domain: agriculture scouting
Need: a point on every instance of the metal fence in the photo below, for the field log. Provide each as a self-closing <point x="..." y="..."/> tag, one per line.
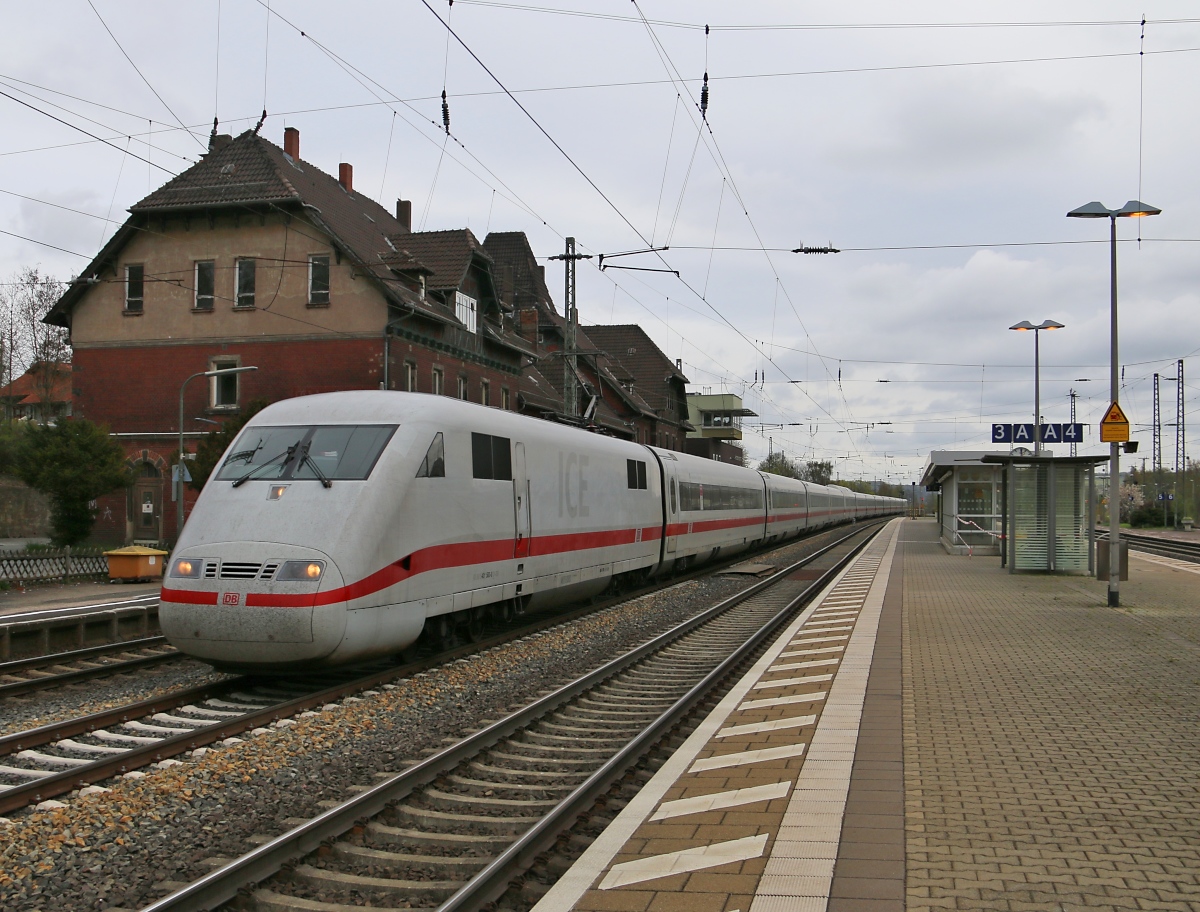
<point x="61" y="564"/>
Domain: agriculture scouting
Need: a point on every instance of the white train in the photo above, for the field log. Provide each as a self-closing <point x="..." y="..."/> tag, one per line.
<point x="339" y="526"/>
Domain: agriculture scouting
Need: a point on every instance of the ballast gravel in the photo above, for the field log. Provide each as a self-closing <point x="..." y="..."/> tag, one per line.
<point x="70" y="701"/>
<point x="153" y="830"/>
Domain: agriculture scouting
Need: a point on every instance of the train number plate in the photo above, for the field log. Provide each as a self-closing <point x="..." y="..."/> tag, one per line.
<point x="231" y="598"/>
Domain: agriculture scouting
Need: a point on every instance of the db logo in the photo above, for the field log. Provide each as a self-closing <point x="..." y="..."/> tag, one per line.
<point x="231" y="598"/>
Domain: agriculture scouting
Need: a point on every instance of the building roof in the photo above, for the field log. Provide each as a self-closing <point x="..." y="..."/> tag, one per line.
<point x="511" y="249"/>
<point x="446" y="254"/>
<point x="31" y="387"/>
<point x="631" y="351"/>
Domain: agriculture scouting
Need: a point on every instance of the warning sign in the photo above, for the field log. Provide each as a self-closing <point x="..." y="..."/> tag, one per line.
<point x="1114" y="427"/>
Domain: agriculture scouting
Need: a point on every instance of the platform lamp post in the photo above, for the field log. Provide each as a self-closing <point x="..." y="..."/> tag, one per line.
<point x="177" y="482"/>
<point x="1025" y="326"/>
<point x="1132" y="209"/>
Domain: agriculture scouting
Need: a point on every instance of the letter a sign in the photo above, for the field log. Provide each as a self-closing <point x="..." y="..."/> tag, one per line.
<point x="1114" y="427"/>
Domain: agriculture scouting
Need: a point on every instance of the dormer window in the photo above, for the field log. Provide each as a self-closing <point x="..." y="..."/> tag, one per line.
<point x="466" y="309"/>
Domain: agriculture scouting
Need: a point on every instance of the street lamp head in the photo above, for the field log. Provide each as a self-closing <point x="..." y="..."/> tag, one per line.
<point x="1137" y="209"/>
<point x="1050" y="324"/>
<point x="1132" y="209"/>
<point x="227" y="370"/>
<point x="1092" y="210"/>
<point x="1023" y="326"/>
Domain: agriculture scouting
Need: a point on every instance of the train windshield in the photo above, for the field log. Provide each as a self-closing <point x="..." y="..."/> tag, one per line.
<point x="332" y="452"/>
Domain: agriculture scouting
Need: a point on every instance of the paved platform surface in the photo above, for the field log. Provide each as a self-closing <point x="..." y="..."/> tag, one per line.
<point x="985" y="741"/>
<point x="39" y="598"/>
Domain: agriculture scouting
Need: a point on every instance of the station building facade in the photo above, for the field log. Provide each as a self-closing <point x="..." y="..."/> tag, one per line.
<point x="254" y="257"/>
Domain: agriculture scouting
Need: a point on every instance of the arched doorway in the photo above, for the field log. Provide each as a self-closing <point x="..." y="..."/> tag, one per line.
<point x="145" y="504"/>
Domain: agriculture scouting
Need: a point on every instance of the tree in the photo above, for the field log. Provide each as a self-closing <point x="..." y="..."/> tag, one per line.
<point x="25" y="299"/>
<point x="818" y="472"/>
<point x="213" y="444"/>
<point x="779" y="464"/>
<point x="73" y="462"/>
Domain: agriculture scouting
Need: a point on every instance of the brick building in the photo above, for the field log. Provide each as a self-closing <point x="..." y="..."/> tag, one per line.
<point x="255" y="257"/>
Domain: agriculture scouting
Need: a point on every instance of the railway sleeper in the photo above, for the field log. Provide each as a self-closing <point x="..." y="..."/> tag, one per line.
<point x="454" y="801"/>
<point x="520" y="775"/>
<point x="270" y="901"/>
<point x="337" y="882"/>
<point x="516" y="788"/>
<point x="610" y="710"/>
<point x="451" y="842"/>
<point x="441" y="822"/>
<point x="556" y="753"/>
<point x="537" y="762"/>
<point x="581" y="736"/>
<point x="404" y="862"/>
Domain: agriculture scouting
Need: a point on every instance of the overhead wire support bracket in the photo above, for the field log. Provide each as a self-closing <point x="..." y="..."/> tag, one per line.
<point x="674" y="272"/>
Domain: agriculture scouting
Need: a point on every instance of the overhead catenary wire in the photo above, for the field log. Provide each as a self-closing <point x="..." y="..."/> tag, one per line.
<point x="142" y="75"/>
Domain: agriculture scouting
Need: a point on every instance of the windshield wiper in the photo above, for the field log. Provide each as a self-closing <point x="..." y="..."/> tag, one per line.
<point x="285" y="456"/>
<point x="304" y="457"/>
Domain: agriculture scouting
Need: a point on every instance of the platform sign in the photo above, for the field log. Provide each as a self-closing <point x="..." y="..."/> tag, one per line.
<point x="1023" y="433"/>
<point x="1114" y="427"/>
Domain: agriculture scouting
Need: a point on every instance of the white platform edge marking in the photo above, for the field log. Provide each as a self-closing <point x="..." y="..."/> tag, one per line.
<point x="683" y="862"/>
<point x="579" y="878"/>
<point x="824" y="779"/>
<point x="1171" y="562"/>
<point x="719" y="801"/>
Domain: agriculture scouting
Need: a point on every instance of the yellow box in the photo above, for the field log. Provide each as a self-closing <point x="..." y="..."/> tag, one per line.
<point x="135" y="563"/>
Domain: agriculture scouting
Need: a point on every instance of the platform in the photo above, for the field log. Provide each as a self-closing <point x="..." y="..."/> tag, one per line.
<point x="934" y="733"/>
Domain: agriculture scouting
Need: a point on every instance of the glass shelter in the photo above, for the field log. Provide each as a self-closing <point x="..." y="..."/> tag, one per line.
<point x="1048" y="512"/>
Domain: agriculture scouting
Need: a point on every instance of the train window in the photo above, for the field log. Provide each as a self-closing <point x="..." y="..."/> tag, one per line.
<point x="781" y="499"/>
<point x="434" y="463"/>
<point x="491" y="457"/>
<point x="718" y="497"/>
<point x="345" y="452"/>
<point x="636" y="471"/>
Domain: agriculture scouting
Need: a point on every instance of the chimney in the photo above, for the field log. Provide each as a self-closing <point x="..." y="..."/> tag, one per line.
<point x="404" y="214"/>
<point x="218" y="141"/>
<point x="291" y="142"/>
<point x="346" y="176"/>
<point x="507" y="286"/>
<point x="527" y="323"/>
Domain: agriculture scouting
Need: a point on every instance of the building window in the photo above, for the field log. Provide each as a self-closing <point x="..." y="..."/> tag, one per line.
<point x="318" y="279"/>
<point x="224" y="388"/>
<point x="462" y="386"/>
<point x="410" y="376"/>
<point x="485" y="392"/>
<point x="439" y="382"/>
<point x="465" y="309"/>
<point x="206" y="281"/>
<point x="135" y="276"/>
<point x="505" y="401"/>
<point x="245" y="283"/>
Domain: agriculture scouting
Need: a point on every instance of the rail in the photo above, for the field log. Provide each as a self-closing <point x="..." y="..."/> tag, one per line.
<point x="267" y="860"/>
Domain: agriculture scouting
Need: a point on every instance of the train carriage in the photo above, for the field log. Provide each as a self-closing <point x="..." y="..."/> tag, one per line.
<point x="340" y="526"/>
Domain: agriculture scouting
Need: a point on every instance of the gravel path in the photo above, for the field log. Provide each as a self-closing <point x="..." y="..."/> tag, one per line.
<point x="116" y="848"/>
<point x="72" y="700"/>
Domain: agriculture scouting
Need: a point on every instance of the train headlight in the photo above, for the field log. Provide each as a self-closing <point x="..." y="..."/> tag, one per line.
<point x="301" y="571"/>
<point x="187" y="568"/>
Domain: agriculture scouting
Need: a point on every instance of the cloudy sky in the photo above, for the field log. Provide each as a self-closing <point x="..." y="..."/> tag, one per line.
<point x="938" y="149"/>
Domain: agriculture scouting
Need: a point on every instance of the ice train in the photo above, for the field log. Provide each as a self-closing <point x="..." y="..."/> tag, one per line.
<point x="339" y="526"/>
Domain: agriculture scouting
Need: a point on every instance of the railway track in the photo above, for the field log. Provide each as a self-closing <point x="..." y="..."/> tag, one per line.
<point x="1155" y="544"/>
<point x="22" y="676"/>
<point x="457" y="828"/>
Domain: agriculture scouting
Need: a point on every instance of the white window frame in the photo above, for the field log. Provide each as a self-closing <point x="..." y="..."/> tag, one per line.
<point x="237" y="283"/>
<point x="209" y="300"/>
<point x="485" y="393"/>
<point x="410" y="376"/>
<point x="141" y="301"/>
<point x="464" y="387"/>
<point x="439" y="381"/>
<point x="214" y="384"/>
<point x="466" y="309"/>
<point x="312" y="258"/>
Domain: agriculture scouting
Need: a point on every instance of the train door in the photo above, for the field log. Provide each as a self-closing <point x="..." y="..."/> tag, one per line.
<point x="672" y="515"/>
<point x="521" y="502"/>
